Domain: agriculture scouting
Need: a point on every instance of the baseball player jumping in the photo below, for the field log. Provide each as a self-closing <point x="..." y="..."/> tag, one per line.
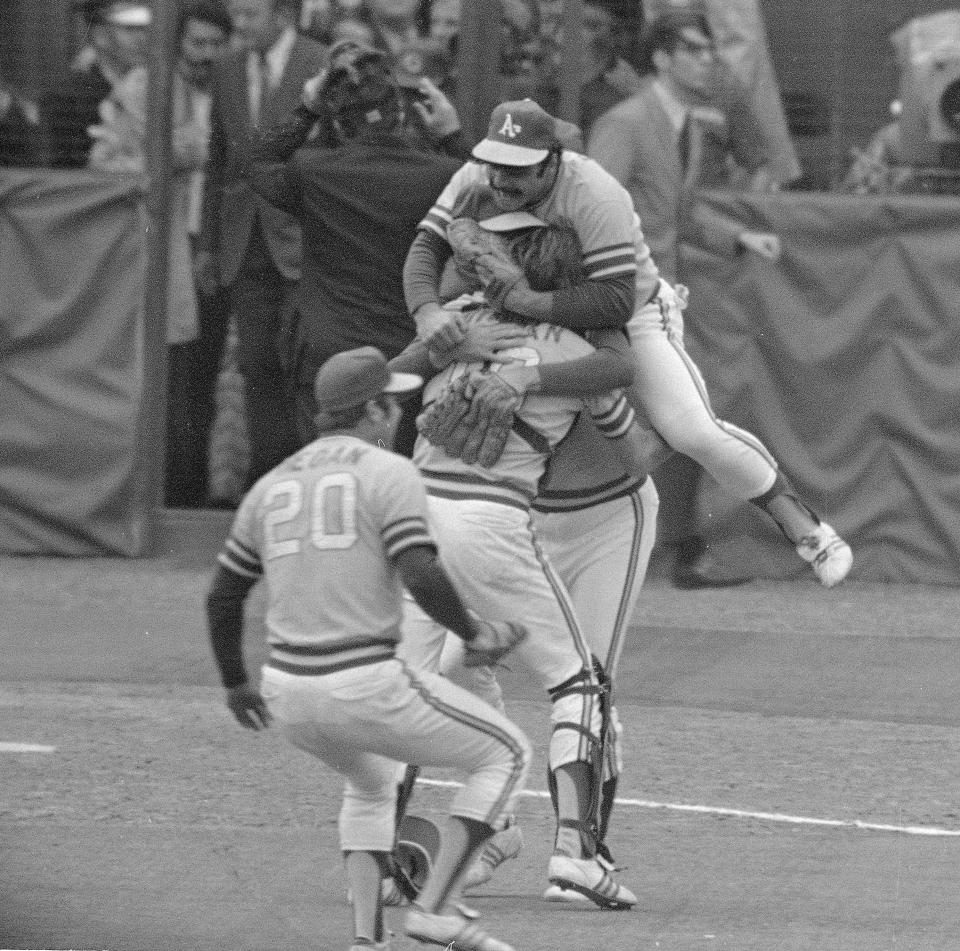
<point x="335" y="531"/>
<point x="523" y="165"/>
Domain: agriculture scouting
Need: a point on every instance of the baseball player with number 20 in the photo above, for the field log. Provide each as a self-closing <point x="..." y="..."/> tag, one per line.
<point x="335" y="531"/>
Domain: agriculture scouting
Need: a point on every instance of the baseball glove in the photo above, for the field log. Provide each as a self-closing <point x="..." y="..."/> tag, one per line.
<point x="493" y="404"/>
<point x="447" y="412"/>
<point x="472" y="419"/>
<point x="493" y="641"/>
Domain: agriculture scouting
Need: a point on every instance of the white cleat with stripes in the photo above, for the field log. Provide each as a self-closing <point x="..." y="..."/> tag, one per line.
<point x="591" y="880"/>
<point x="828" y="554"/>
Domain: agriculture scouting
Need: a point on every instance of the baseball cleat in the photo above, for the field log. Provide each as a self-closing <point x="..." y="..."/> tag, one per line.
<point x="592" y="880"/>
<point x="500" y="847"/>
<point x="565" y="895"/>
<point x="829" y="555"/>
<point x="451" y="932"/>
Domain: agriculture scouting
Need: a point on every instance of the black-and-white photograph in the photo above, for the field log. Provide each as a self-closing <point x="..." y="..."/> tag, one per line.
<point x="479" y="474"/>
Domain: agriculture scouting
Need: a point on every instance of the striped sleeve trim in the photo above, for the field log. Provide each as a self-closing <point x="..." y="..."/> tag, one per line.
<point x="610" y="260"/>
<point x="616" y="420"/>
<point x="406" y="533"/>
<point x="437" y="220"/>
<point x="240" y="559"/>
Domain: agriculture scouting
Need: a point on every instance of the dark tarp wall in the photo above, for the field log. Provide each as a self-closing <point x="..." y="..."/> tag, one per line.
<point x="845" y="359"/>
<point x="71" y="363"/>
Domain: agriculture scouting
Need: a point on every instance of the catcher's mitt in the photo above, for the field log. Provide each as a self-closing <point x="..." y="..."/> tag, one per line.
<point x="472" y="419"/>
<point x="492" y="642"/>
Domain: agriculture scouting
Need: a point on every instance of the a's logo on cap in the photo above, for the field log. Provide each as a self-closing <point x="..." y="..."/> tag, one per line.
<point x="510" y="128"/>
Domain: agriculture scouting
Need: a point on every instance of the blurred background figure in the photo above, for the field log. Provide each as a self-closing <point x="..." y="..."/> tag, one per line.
<point x="116" y="42"/>
<point x="394" y="24"/>
<point x="882" y="166"/>
<point x="609" y="77"/>
<point x="248" y="247"/>
<point x="23" y="139"/>
<point x="120" y="145"/>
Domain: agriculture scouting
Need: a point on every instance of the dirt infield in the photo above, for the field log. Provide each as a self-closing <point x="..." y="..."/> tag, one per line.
<point x="791" y="781"/>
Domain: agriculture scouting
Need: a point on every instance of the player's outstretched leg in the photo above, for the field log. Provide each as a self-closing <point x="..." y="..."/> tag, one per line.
<point x="816" y="542"/>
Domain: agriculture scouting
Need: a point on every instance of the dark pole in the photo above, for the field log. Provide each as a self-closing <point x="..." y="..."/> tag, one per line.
<point x="571" y="61"/>
<point x="153" y="411"/>
<point x="478" y="65"/>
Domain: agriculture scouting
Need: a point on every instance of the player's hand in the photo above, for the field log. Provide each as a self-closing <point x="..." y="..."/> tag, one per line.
<point x="430" y="317"/>
<point x="437" y="113"/>
<point x="763" y="243"/>
<point x="248" y="707"/>
<point x="482" y="338"/>
<point x="492" y="642"/>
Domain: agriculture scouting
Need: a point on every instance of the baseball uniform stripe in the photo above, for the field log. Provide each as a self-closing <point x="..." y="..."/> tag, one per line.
<point x="563" y="600"/>
<point x="240" y="559"/>
<point x="484" y="726"/>
<point x="630" y="582"/>
<point x="571" y="500"/>
<point x="319" y="670"/>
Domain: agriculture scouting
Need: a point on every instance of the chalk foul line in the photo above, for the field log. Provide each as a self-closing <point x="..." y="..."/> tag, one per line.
<point x="747" y="814"/>
<point x="6" y="747"/>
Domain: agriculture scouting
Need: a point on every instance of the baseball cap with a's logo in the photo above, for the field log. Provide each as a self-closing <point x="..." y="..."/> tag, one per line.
<point x="351" y="378"/>
<point x="520" y="133"/>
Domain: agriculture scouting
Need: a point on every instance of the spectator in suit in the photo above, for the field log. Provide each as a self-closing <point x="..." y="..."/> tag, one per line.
<point x="677" y="134"/>
<point x="248" y="246"/>
<point x="117" y="32"/>
<point x="680" y="132"/>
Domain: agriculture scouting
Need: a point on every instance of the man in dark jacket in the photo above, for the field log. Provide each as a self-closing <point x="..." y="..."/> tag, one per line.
<point x="249" y="246"/>
<point x="359" y="190"/>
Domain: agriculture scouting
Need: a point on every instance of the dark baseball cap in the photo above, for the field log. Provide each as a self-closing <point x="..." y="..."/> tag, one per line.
<point x="521" y="133"/>
<point x="351" y="378"/>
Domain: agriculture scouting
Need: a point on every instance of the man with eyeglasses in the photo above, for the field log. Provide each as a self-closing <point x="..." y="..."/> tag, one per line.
<point x="663" y="144"/>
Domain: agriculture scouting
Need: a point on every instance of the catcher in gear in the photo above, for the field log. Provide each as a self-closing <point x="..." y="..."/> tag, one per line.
<point x="462" y="490"/>
<point x="611" y="572"/>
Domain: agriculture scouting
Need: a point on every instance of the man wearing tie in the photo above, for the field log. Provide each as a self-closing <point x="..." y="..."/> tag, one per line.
<point x="683" y="131"/>
<point x="251" y="248"/>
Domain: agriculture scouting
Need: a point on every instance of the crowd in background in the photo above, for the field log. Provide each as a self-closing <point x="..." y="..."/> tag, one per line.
<point x="97" y="119"/>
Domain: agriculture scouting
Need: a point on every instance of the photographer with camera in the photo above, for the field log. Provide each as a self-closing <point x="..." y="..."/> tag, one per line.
<point x="344" y="166"/>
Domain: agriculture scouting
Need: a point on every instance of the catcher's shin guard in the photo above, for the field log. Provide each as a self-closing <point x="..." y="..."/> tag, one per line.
<point x="577" y="744"/>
